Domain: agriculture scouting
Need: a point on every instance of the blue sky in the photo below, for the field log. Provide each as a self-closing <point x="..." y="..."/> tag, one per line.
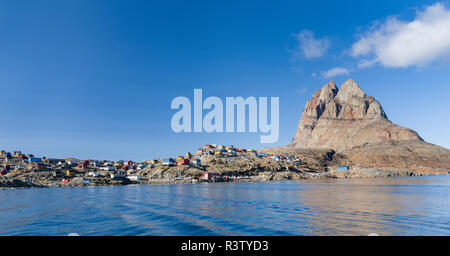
<point x="96" y="78"/>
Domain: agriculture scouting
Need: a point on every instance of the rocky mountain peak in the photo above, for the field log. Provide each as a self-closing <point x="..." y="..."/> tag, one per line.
<point x="316" y="105"/>
<point x="350" y="90"/>
<point x="345" y="118"/>
<point x="328" y="91"/>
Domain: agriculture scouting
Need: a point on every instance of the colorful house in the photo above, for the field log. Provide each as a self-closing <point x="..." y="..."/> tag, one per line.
<point x="35" y="160"/>
<point x="168" y="162"/>
<point x="275" y="157"/>
<point x="129" y="162"/>
<point x="183" y="161"/>
<point x="83" y="164"/>
<point x="342" y="168"/>
<point x="232" y="151"/>
<point x="208" y="175"/>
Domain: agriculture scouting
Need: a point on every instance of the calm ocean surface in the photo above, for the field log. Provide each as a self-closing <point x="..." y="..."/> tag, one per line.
<point x="391" y="206"/>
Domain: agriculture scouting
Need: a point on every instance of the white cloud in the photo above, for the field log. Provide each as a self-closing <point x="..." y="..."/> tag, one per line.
<point x="336" y="71"/>
<point x="397" y="43"/>
<point x="310" y="47"/>
<point x="301" y="90"/>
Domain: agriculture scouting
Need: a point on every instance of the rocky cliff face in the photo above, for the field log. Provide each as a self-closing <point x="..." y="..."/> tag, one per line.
<point x="346" y="118"/>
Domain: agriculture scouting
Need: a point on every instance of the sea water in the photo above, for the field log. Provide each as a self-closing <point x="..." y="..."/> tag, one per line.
<point x="385" y="206"/>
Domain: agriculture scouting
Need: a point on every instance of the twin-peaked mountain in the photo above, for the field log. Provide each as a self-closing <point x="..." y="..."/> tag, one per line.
<point x="346" y="127"/>
<point x="345" y="118"/>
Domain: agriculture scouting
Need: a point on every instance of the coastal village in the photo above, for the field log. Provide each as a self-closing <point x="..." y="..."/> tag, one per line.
<point x="211" y="163"/>
<point x="342" y="133"/>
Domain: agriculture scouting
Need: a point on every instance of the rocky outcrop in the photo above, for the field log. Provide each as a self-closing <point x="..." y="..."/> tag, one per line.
<point x="418" y="156"/>
<point x="341" y="119"/>
<point x="355" y="126"/>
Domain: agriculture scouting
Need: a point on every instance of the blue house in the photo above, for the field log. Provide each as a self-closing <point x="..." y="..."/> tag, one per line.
<point x="276" y="158"/>
<point x="168" y="162"/>
<point x="35" y="160"/>
<point x="342" y="168"/>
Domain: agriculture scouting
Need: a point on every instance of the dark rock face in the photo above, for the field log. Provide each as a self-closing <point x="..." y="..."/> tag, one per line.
<point x="345" y="118"/>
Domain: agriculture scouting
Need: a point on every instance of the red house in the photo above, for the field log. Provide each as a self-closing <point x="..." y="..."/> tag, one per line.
<point x="83" y="164"/>
<point x="205" y="176"/>
<point x="208" y="175"/>
<point x="183" y="162"/>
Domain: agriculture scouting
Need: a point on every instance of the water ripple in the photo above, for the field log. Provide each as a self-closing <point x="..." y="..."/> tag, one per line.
<point x="395" y="206"/>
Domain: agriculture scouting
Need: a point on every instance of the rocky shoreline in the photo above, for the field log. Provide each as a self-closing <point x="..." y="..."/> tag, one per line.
<point x="208" y="164"/>
<point x="15" y="183"/>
